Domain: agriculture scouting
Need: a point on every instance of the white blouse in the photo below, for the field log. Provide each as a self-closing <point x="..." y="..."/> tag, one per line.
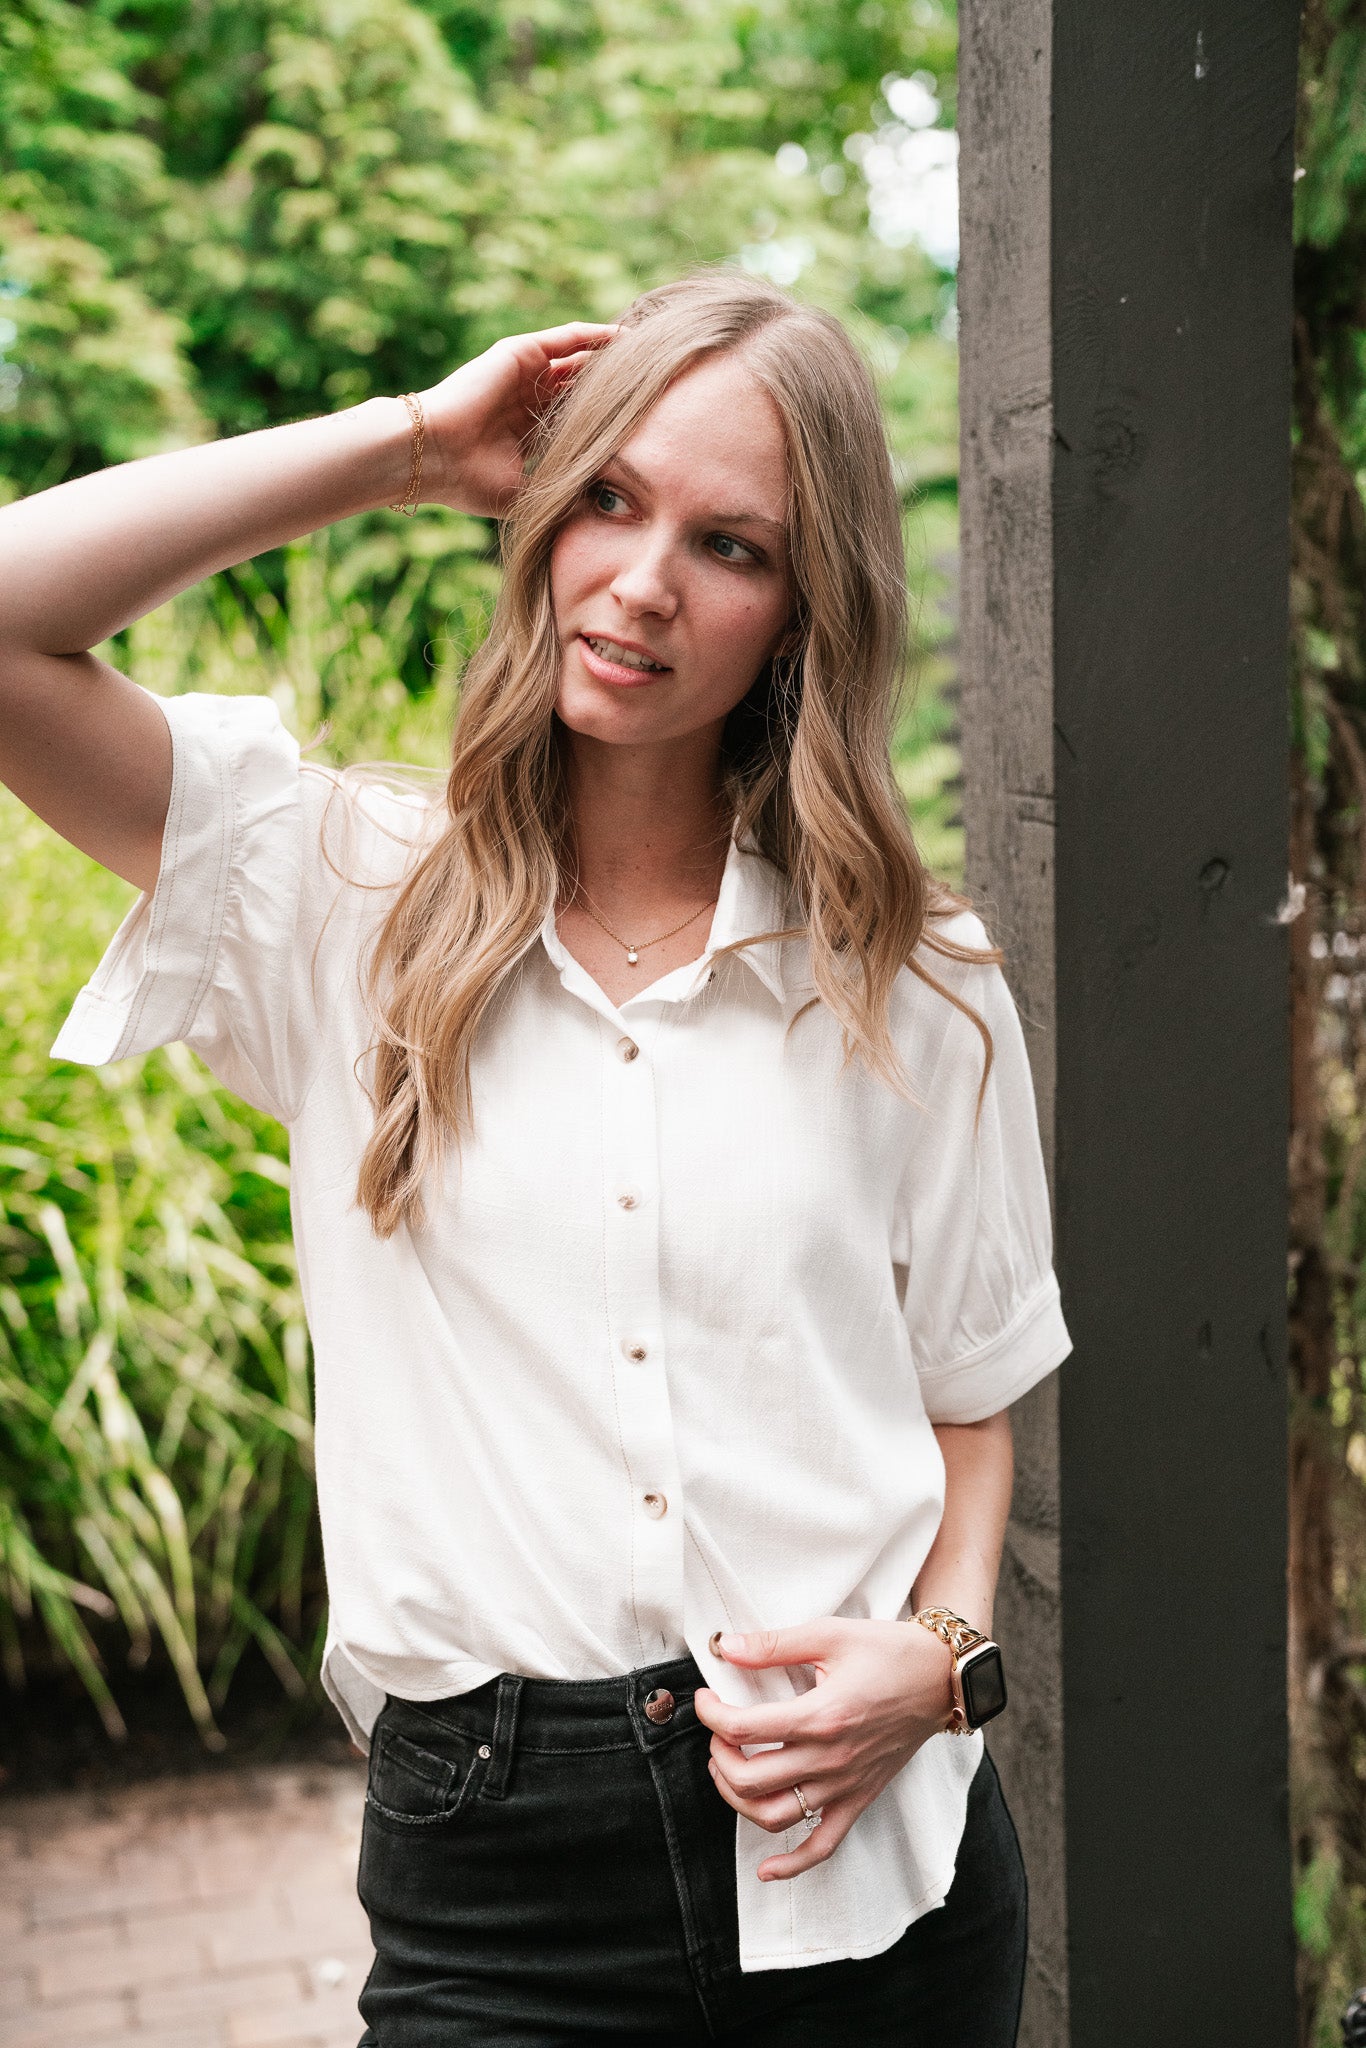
<point x="665" y="1355"/>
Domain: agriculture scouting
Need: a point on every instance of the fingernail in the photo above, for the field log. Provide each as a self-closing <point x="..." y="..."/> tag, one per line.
<point x="714" y="1643"/>
<point x="726" y="1646"/>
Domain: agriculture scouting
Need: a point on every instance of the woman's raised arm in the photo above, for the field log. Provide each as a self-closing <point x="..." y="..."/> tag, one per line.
<point x="79" y="744"/>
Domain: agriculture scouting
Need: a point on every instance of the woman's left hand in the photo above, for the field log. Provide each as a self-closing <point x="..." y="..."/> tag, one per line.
<point x="882" y="1688"/>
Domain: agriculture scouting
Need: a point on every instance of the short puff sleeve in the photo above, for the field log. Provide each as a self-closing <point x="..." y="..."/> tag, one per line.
<point x="974" y="1234"/>
<point x="219" y="954"/>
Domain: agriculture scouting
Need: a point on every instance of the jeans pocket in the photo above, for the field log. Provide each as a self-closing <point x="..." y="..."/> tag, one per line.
<point x="422" y="1784"/>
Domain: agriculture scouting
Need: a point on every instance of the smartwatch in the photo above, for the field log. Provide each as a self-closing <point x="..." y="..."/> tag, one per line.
<point x="978" y="1675"/>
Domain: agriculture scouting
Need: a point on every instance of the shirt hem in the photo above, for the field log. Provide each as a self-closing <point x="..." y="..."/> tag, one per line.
<point x="754" y="1963"/>
<point x="337" y="1662"/>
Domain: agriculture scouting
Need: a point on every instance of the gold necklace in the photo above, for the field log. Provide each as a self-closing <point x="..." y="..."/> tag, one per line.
<point x="633" y="952"/>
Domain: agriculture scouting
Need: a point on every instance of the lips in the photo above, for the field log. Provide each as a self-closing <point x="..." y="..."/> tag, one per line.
<point x="626" y="652"/>
<point x="619" y="661"/>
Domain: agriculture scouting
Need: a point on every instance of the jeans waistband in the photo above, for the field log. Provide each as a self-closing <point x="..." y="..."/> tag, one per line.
<point x="637" y="1709"/>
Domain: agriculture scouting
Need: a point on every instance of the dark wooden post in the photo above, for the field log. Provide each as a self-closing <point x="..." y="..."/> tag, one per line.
<point x="1125" y="327"/>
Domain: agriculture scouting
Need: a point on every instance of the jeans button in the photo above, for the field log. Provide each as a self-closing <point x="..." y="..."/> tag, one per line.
<point x="659" y="1707"/>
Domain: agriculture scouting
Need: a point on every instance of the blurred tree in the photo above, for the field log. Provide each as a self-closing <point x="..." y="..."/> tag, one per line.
<point x="312" y="200"/>
<point x="215" y="216"/>
<point x="93" y="366"/>
<point x="1328" y="1012"/>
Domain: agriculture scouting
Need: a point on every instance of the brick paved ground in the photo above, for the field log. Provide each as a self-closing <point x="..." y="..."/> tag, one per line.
<point x="206" y="1912"/>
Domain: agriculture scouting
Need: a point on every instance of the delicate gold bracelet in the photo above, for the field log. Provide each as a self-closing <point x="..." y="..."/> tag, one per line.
<point x="408" y="503"/>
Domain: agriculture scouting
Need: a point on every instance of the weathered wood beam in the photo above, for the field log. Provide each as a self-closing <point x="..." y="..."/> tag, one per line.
<point x="1125" y="322"/>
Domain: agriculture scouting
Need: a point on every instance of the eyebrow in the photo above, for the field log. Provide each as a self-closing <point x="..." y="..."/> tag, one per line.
<point x="773" y="526"/>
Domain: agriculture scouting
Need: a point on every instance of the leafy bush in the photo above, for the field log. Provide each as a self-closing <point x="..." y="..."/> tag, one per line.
<point x="155" y="1453"/>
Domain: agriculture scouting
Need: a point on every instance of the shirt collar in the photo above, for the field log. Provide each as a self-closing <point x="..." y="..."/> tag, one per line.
<point x="753" y="898"/>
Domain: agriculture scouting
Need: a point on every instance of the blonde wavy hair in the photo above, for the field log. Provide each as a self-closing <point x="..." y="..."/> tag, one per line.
<point x="805" y="755"/>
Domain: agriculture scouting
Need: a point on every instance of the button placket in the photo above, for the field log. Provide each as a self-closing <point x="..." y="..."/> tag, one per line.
<point x="630" y="1167"/>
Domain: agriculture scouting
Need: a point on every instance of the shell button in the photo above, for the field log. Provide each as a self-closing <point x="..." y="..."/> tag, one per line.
<point x="656" y="1505"/>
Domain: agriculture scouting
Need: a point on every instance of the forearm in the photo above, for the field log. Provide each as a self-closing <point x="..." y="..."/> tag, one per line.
<point x="961" y="1569"/>
<point x="883" y="1689"/>
<point x="88" y="557"/>
<point x="79" y="744"/>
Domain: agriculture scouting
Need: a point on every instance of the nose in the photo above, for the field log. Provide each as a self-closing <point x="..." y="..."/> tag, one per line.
<point x="644" y="584"/>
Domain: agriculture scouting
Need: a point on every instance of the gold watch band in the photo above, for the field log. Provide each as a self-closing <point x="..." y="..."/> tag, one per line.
<point x="960" y="1636"/>
<point x="951" y="1628"/>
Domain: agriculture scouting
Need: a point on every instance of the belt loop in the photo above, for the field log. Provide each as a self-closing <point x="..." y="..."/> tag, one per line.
<point x="504" y="1735"/>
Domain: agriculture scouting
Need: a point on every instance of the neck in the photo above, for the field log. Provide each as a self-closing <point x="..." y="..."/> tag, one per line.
<point x="650" y="824"/>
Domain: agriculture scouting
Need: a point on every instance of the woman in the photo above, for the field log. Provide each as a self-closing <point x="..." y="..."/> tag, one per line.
<point x="666" y="1182"/>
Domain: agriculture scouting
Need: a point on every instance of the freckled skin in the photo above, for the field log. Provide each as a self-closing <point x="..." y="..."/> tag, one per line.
<point x="648" y="562"/>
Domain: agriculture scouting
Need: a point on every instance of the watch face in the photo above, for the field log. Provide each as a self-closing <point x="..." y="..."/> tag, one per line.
<point x="984" y="1685"/>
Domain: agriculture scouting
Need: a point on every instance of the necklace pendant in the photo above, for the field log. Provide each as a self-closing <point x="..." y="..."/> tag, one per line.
<point x="631" y="956"/>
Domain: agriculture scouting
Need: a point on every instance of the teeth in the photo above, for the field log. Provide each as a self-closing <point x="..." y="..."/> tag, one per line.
<point x="610" y="651"/>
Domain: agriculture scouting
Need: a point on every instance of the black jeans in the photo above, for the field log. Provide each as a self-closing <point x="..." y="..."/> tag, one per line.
<point x="543" y="1864"/>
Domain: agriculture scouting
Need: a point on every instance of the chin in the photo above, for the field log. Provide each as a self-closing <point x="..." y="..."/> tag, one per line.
<point x="596" y="711"/>
<point x="589" y="717"/>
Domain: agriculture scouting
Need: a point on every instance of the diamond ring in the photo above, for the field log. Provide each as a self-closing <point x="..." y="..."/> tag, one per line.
<point x="813" y="1820"/>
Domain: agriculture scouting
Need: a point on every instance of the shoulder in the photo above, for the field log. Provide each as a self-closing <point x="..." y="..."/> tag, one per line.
<point x="371" y="825"/>
<point x="387" y="810"/>
<point x="959" y="928"/>
<point x="955" y="951"/>
<point x="947" y="994"/>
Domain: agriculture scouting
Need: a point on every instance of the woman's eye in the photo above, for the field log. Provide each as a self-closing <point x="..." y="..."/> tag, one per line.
<point x="606" y="499"/>
<point x="732" y="550"/>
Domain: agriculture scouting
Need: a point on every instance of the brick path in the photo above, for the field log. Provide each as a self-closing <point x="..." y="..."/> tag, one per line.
<point x="206" y="1912"/>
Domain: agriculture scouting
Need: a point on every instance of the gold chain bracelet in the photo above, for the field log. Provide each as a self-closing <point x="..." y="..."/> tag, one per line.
<point x="950" y="1628"/>
<point x="408" y="502"/>
<point x="958" y="1635"/>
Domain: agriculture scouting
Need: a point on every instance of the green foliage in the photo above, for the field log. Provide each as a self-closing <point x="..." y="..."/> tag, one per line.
<point x="314" y="200"/>
<point x="217" y="216"/>
<point x="1330" y="1930"/>
<point x="92" y="361"/>
<point x="155" y="1431"/>
<point x="1315" y="1893"/>
<point x="1328" y="1150"/>
<point x="1330" y="209"/>
<point x="341" y="224"/>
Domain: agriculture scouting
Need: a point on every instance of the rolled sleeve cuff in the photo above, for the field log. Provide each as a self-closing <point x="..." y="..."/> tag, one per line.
<point x="983" y="1381"/>
<point x="149" y="986"/>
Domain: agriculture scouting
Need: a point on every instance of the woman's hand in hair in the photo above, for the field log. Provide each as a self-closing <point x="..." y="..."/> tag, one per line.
<point x="480" y="419"/>
<point x="882" y="1689"/>
<point x="79" y="744"/>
